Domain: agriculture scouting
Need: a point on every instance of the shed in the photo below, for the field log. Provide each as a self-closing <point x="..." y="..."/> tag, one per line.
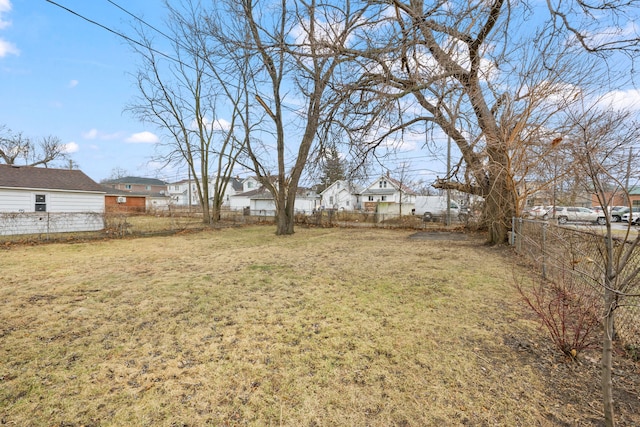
<point x="43" y="200"/>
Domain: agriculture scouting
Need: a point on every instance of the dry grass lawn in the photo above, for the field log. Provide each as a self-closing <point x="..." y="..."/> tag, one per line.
<point x="328" y="327"/>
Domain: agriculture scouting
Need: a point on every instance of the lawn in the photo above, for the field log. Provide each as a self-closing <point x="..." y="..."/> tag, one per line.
<point x="328" y="327"/>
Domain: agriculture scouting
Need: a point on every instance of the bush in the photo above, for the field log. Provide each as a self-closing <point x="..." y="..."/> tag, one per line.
<point x="568" y="310"/>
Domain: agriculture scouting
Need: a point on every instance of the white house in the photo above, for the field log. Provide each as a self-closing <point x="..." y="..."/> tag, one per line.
<point x="43" y="200"/>
<point x="388" y="196"/>
<point x="241" y="199"/>
<point x="341" y="195"/>
<point x="181" y="192"/>
<point x="261" y="202"/>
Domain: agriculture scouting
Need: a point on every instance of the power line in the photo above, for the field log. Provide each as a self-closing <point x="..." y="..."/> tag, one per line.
<point x="119" y="34"/>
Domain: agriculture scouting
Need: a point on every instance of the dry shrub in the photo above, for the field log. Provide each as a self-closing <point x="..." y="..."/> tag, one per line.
<point x="568" y="310"/>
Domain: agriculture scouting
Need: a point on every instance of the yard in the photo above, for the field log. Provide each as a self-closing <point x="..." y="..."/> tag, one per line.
<point x="328" y="327"/>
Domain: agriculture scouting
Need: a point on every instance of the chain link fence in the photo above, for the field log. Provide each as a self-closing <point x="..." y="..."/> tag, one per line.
<point x="560" y="253"/>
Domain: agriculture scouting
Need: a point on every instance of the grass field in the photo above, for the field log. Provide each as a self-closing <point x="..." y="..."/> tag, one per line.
<point x="328" y="327"/>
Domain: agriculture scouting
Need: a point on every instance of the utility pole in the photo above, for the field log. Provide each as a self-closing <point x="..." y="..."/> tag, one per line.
<point x="448" y="220"/>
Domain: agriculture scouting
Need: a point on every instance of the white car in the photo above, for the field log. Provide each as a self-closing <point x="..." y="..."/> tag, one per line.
<point x="565" y="214"/>
<point x="634" y="215"/>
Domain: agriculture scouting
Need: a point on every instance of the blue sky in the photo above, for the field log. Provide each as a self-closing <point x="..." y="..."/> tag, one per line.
<point x="63" y="76"/>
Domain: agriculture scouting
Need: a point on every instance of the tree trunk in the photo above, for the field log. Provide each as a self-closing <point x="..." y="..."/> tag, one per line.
<point x="607" y="357"/>
<point x="285" y="219"/>
<point x="500" y="200"/>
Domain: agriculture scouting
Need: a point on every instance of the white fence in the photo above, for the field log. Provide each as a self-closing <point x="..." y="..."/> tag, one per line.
<point x="48" y="222"/>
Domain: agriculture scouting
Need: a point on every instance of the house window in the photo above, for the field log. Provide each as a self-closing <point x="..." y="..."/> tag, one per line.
<point x="127" y="186"/>
<point x="383" y="184"/>
<point x="249" y="184"/>
<point x="176" y="187"/>
<point x="41" y="203"/>
<point x="347" y="203"/>
<point x="331" y="200"/>
<point x="384" y="198"/>
<point x="371" y="198"/>
<point x="148" y="187"/>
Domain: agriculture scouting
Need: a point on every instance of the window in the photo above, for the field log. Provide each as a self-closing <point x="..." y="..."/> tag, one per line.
<point x="148" y="187"/>
<point x="249" y="184"/>
<point x="176" y="187"/>
<point x="41" y="203"/>
<point x="331" y="200"/>
<point x="347" y="203"/>
<point x="371" y="198"/>
<point x="127" y="186"/>
<point x="383" y="184"/>
<point x="383" y="198"/>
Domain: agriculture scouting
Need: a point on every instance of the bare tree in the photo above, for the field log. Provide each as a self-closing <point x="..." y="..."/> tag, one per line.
<point x="598" y="141"/>
<point x="181" y="95"/>
<point x="296" y="53"/>
<point x="464" y="69"/>
<point x="15" y="147"/>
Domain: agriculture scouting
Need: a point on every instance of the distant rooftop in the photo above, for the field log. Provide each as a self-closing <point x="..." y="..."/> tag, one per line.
<point x="135" y="180"/>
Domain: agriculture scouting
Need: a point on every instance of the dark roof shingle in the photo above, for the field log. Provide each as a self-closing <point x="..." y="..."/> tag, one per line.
<point x="47" y="179"/>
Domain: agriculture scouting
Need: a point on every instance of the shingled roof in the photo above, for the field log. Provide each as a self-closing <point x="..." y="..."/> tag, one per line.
<point x="26" y="177"/>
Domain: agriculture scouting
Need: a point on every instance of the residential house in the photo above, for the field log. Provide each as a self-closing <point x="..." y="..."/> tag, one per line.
<point x="241" y="199"/>
<point x="342" y="195"/>
<point x="261" y="202"/>
<point x="135" y="184"/>
<point x="124" y="202"/>
<point x="387" y="195"/>
<point x="44" y="200"/>
<point x="181" y="192"/>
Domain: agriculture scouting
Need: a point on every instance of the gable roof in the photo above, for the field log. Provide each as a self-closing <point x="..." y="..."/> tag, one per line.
<point x="136" y="180"/>
<point x="28" y="177"/>
<point x="397" y="186"/>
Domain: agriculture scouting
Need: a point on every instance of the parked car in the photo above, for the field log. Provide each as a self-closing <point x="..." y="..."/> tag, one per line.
<point x="538" y="212"/>
<point x="617" y="212"/>
<point x="565" y="214"/>
<point x="632" y="217"/>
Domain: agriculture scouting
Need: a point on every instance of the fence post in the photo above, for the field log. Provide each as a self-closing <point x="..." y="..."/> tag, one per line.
<point x="544" y="250"/>
<point x="519" y="237"/>
<point x="512" y="236"/>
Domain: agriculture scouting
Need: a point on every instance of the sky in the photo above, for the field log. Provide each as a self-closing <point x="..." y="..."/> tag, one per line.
<point x="63" y="76"/>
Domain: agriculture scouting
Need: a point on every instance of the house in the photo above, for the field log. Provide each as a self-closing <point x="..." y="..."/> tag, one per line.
<point x="181" y="192"/>
<point x="342" y="195"/>
<point x="43" y="200"/>
<point x="135" y="184"/>
<point x="241" y="199"/>
<point x="387" y="195"/>
<point x="261" y="201"/>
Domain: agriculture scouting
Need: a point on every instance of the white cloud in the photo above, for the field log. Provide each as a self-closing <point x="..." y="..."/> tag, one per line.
<point x="96" y="134"/>
<point x="71" y="147"/>
<point x="5" y="6"/>
<point x="92" y="134"/>
<point x="73" y="83"/>
<point x="7" y="48"/>
<point x="142" y="138"/>
<point x="622" y="99"/>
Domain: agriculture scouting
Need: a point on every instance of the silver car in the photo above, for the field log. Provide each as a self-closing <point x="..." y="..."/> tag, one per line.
<point x="565" y="214"/>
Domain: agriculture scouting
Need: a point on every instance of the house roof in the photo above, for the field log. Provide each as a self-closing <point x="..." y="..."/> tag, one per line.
<point x="347" y="186"/>
<point x="398" y="186"/>
<point x="12" y="176"/>
<point x="135" y="180"/>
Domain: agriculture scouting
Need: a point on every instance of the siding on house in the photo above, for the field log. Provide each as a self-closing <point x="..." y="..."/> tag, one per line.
<point x="43" y="200"/>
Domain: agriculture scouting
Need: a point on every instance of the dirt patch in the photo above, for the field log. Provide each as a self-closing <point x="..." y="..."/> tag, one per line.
<point x="438" y="235"/>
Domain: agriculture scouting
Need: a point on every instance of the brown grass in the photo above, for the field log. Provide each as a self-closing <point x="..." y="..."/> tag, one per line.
<point x="328" y="327"/>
